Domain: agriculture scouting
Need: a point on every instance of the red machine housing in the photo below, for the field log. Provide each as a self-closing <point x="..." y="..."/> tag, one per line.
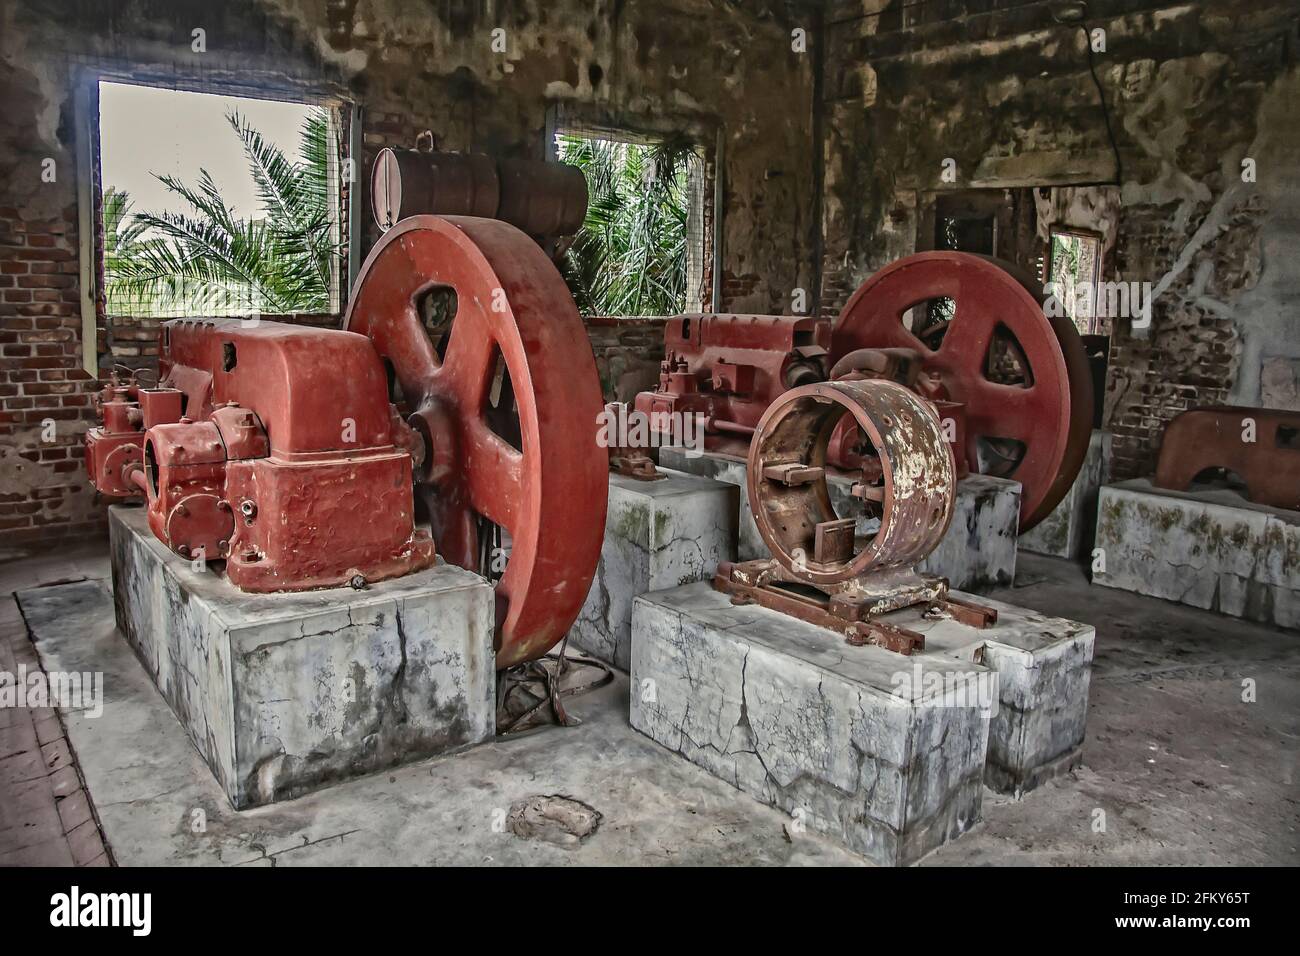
<point x="730" y="368"/>
<point x="271" y="446"/>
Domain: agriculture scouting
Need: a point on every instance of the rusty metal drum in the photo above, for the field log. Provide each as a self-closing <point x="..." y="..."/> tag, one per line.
<point x="408" y="182"/>
<point x="909" y="485"/>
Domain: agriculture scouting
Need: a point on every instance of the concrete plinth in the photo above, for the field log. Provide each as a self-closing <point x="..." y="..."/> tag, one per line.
<point x="1210" y="549"/>
<point x="1069" y="531"/>
<point x="658" y="534"/>
<point x="284" y="693"/>
<point x="978" y="552"/>
<point x="845" y="739"/>
<point x="1044" y="668"/>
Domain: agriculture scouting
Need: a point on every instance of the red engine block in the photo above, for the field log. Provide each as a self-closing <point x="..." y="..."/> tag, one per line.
<point x="730" y="368"/>
<point x="271" y="446"/>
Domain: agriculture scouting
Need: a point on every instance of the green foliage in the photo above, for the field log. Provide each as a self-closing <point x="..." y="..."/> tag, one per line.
<point x="630" y="256"/>
<point x="208" y="260"/>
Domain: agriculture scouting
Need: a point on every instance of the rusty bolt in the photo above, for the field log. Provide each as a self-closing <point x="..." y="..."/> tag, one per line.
<point x="223" y="505"/>
<point x="183" y="550"/>
<point x="247" y="508"/>
<point x="357" y="582"/>
<point x="223" y="544"/>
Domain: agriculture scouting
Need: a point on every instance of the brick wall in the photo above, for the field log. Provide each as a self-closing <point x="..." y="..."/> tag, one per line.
<point x="45" y="396"/>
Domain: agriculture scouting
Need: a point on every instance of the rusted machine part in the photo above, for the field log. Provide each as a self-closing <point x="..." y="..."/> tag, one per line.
<point x="1260" y="445"/>
<point x="727" y="369"/>
<point x="271" y="447"/>
<point x="627" y="460"/>
<point x="912" y="497"/>
<point x="1049" y="413"/>
<point x="114" y="444"/>
<point x="516" y="339"/>
<point x="910" y="493"/>
<point x="541" y="199"/>
<point x="903" y="366"/>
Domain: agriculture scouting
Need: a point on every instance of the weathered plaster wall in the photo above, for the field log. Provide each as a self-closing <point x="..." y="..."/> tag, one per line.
<point x="1005" y="91"/>
<point x="657" y="65"/>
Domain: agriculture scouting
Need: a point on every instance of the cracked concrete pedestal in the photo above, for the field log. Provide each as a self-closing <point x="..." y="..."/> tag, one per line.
<point x="978" y="552"/>
<point x="1210" y="549"/>
<point x="1069" y="531"/>
<point x="881" y="752"/>
<point x="658" y="534"/>
<point x="285" y="693"/>
<point x="1044" y="669"/>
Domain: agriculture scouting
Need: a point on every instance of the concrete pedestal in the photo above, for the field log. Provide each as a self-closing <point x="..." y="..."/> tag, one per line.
<point x="978" y="552"/>
<point x="658" y="534"/>
<point x="846" y="739"/>
<point x="1044" y="668"/>
<point x="1069" y="531"/>
<point x="1209" y="549"/>
<point x="285" y="693"/>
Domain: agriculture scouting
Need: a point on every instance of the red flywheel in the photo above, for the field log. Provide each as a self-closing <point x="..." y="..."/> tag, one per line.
<point x="491" y="363"/>
<point x="979" y="327"/>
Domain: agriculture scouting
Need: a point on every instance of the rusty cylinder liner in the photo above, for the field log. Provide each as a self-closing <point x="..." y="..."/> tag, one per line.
<point x="919" y="475"/>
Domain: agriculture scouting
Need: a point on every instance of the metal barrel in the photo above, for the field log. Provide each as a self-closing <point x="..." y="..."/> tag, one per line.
<point x="408" y="182"/>
<point x="541" y="199"/>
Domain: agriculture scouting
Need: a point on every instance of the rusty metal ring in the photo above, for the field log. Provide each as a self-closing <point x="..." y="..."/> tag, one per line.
<point x="787" y="483"/>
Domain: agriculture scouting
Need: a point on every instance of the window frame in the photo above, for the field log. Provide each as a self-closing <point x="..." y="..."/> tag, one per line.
<point x="343" y="109"/>
<point x="703" y="263"/>
<point x="1096" y="325"/>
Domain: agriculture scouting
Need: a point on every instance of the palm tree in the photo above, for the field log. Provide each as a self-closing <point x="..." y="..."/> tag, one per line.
<point x="211" y="260"/>
<point x="629" y="258"/>
<point x="122" y="241"/>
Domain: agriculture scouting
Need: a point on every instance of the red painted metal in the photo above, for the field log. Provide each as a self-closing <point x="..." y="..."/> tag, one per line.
<point x="272" y="447"/>
<point x="117" y="442"/>
<point x="1031" y="425"/>
<point x="729" y="368"/>
<point x="1049" y="411"/>
<point x="516" y="339"/>
<point x="1217" y="437"/>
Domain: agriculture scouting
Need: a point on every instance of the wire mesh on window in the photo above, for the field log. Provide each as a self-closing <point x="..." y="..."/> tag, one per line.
<point x="641" y="251"/>
<point x="207" y="260"/>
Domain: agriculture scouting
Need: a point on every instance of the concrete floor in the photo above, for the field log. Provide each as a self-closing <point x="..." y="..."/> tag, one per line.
<point x="1182" y="769"/>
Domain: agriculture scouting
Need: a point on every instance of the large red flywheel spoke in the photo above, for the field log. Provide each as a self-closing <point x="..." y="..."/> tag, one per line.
<point x="998" y="328"/>
<point x="516" y="335"/>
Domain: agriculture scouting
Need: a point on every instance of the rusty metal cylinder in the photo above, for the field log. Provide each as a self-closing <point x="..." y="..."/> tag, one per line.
<point x="541" y="199"/>
<point x="409" y="182"/>
<point x="913" y="490"/>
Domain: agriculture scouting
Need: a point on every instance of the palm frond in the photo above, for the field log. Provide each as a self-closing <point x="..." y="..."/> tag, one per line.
<point x="630" y="256"/>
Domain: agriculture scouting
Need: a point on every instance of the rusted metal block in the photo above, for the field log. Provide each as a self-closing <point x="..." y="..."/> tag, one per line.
<point x="1260" y="445"/>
